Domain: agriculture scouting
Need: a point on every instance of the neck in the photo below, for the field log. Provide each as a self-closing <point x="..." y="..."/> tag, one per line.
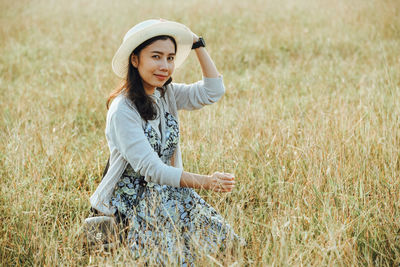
<point x="149" y="89"/>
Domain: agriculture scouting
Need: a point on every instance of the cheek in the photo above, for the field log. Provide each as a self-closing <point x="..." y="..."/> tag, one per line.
<point x="145" y="69"/>
<point x="172" y="67"/>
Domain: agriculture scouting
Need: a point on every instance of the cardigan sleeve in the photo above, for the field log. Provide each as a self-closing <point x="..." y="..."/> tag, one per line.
<point x="128" y="137"/>
<point x="198" y="94"/>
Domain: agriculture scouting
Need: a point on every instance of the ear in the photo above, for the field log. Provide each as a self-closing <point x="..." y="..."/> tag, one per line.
<point x="135" y="60"/>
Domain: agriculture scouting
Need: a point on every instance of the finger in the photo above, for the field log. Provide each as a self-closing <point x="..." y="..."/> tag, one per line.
<point x="221" y="190"/>
<point x="226" y="182"/>
<point x="222" y="174"/>
<point x="227" y="178"/>
<point x="223" y="184"/>
<point x="226" y="189"/>
<point x="219" y="176"/>
<point x="226" y="186"/>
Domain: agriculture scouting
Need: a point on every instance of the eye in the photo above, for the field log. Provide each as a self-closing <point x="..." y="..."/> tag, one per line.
<point x="156" y="56"/>
<point x="171" y="58"/>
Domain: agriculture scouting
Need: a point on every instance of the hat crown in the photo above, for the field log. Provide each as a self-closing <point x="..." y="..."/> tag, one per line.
<point x="140" y="26"/>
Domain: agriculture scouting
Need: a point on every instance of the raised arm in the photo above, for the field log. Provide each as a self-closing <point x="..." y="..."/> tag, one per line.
<point x="207" y="64"/>
<point x="205" y="92"/>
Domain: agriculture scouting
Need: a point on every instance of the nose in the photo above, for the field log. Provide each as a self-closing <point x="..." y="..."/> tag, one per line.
<point x="164" y="65"/>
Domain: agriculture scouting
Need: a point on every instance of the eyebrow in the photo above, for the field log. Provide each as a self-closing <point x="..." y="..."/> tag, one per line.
<point x="161" y="53"/>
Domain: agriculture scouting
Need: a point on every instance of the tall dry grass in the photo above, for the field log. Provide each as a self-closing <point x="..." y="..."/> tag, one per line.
<point x="309" y="124"/>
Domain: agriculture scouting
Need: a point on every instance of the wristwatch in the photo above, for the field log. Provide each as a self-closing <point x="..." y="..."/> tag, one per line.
<point x="199" y="43"/>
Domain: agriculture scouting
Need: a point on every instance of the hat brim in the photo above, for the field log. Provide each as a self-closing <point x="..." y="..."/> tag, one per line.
<point x="182" y="35"/>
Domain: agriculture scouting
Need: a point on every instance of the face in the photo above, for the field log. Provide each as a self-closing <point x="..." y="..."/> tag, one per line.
<point x="155" y="64"/>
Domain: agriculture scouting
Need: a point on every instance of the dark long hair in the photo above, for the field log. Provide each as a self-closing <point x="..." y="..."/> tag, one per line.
<point x="133" y="86"/>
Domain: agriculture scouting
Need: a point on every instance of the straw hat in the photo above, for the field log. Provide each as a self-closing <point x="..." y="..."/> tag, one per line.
<point x="146" y="30"/>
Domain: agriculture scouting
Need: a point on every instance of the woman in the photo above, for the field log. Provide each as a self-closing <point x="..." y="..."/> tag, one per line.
<point x="145" y="183"/>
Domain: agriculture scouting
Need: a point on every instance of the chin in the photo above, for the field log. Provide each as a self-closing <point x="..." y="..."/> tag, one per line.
<point x="161" y="84"/>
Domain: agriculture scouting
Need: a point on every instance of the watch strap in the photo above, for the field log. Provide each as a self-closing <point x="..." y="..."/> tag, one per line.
<point x="199" y="43"/>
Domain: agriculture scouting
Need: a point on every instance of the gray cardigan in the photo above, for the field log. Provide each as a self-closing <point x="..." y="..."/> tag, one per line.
<point x="128" y="143"/>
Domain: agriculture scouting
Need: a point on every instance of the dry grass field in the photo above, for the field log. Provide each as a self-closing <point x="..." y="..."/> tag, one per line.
<point x="309" y="125"/>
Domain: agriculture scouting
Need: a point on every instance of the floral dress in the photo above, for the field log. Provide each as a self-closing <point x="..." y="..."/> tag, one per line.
<point x="171" y="223"/>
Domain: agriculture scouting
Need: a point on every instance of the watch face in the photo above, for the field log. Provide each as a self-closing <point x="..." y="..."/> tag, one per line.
<point x="203" y="43"/>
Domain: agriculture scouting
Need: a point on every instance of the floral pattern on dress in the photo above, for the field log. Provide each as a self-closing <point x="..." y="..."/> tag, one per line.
<point x="171" y="221"/>
<point x="153" y="138"/>
<point x="171" y="137"/>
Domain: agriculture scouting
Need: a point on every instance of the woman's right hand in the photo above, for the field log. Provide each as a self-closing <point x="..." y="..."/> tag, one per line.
<point x="220" y="182"/>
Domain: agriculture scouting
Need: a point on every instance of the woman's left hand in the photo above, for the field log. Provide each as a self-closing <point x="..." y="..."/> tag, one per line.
<point x="207" y="64"/>
<point x="220" y="182"/>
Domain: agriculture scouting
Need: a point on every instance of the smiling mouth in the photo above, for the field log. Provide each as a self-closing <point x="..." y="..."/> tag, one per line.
<point x="160" y="77"/>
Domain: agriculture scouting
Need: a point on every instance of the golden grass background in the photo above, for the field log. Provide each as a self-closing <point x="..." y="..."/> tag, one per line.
<point x="309" y="125"/>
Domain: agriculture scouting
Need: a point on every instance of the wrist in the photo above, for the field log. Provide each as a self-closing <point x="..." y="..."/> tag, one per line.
<point x="193" y="180"/>
<point x="199" y="43"/>
<point x="207" y="181"/>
